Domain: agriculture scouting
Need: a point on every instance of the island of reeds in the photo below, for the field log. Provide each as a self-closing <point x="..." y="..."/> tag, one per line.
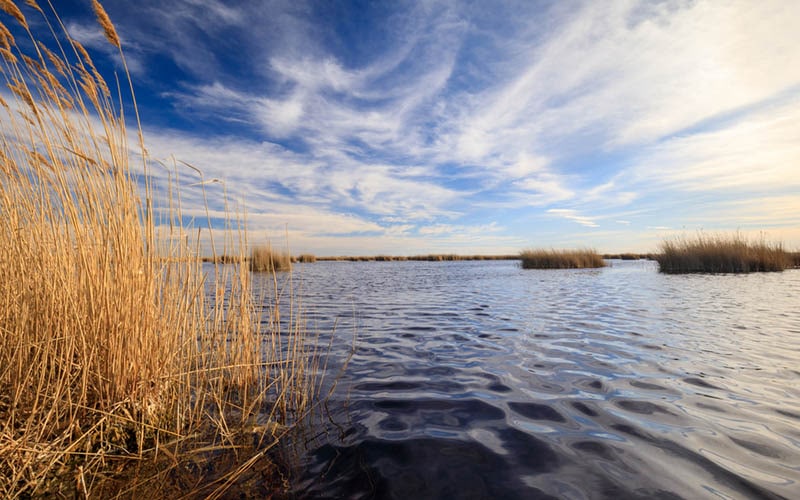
<point x="264" y="258"/>
<point x="124" y="370"/>
<point x="707" y="253"/>
<point x="560" y="259"/>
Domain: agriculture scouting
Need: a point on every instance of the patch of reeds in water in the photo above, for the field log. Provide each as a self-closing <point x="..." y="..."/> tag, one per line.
<point x="264" y="259"/>
<point x="306" y="258"/>
<point x="707" y="253"/>
<point x="561" y="259"/>
<point x="123" y="369"/>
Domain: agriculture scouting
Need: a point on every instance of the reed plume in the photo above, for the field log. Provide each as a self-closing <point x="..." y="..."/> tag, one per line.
<point x="106" y="24"/>
<point x="12" y="10"/>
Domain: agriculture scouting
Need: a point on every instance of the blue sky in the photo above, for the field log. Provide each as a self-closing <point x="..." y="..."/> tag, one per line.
<point x="472" y="127"/>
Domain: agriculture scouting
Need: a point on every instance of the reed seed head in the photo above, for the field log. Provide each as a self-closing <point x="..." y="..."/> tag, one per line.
<point x="84" y="54"/>
<point x="34" y="5"/>
<point x="6" y="38"/>
<point x="54" y="59"/>
<point x="8" y="56"/>
<point x="105" y="22"/>
<point x="12" y="10"/>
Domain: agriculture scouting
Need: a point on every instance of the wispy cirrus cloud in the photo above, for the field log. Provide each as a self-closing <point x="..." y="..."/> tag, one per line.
<point x="421" y="122"/>
<point x="756" y="152"/>
<point x="574" y="216"/>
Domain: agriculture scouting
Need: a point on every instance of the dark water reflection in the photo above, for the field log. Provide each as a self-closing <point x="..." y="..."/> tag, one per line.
<point x="481" y="380"/>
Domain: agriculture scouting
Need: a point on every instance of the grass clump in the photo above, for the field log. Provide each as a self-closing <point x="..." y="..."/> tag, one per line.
<point x="264" y="259"/>
<point x="306" y="258"/>
<point x="561" y="259"/>
<point x="721" y="254"/>
<point x="123" y="367"/>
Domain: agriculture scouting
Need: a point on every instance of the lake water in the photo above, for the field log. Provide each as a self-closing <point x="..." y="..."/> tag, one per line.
<point x="483" y="380"/>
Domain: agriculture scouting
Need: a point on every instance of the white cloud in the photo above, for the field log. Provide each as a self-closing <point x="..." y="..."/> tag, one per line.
<point x="621" y="73"/>
<point x="438" y="230"/>
<point x="577" y="108"/>
<point x="544" y="189"/>
<point x="91" y="36"/>
<point x="574" y="216"/>
<point x="266" y="173"/>
<point x="760" y="151"/>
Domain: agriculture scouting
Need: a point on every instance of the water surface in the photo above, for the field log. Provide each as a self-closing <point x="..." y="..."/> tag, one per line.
<point x="483" y="380"/>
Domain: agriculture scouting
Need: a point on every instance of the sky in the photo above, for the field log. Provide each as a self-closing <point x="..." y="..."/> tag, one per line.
<point x="402" y="128"/>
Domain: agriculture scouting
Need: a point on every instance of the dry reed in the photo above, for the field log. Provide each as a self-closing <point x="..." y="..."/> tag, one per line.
<point x="707" y="253"/>
<point x="264" y="259"/>
<point x="123" y="368"/>
<point x="560" y="259"/>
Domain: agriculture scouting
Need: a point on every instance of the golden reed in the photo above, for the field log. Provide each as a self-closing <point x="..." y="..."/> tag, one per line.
<point x="126" y="368"/>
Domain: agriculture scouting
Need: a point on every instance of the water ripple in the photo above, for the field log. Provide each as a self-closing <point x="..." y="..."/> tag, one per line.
<point x="481" y="380"/>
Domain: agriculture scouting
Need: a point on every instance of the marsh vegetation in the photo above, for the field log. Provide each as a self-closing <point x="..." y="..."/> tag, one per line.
<point x="123" y="371"/>
<point x="263" y="258"/>
<point x="561" y="259"/>
<point x="306" y="258"/>
<point x="721" y="253"/>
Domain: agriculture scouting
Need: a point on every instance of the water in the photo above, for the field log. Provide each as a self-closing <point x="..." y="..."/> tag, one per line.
<point x="483" y="380"/>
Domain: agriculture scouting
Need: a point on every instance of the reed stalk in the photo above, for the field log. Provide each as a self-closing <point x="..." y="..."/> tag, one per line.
<point x="126" y="368"/>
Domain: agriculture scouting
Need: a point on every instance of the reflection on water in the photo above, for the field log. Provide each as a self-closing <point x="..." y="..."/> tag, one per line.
<point x="483" y="380"/>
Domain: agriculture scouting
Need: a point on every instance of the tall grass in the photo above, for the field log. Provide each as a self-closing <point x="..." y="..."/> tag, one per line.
<point x="708" y="253"/>
<point x="119" y="373"/>
<point x="560" y="259"/>
<point x="264" y="258"/>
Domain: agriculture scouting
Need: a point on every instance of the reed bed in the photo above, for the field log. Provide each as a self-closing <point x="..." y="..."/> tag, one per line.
<point x="124" y="370"/>
<point x="561" y="259"/>
<point x="707" y="253"/>
<point x="306" y="258"/>
<point x="264" y="259"/>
